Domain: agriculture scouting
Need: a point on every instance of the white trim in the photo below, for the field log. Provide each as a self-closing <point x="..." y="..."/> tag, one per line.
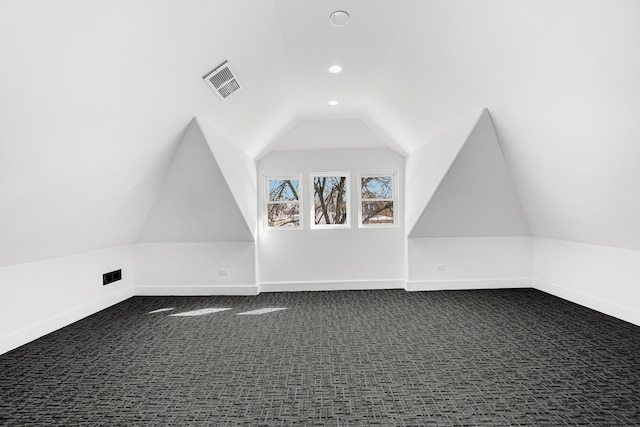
<point x="196" y="290"/>
<point x="444" y="285"/>
<point x="603" y="306"/>
<point x="312" y="203"/>
<point x="44" y="327"/>
<point x="342" y="285"/>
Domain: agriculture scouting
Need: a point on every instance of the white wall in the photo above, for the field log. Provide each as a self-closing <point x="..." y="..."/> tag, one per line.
<point x="603" y="278"/>
<point x="308" y="259"/>
<point x="202" y="221"/>
<point x="39" y="297"/>
<point x="238" y="171"/>
<point x="426" y="167"/>
<point x="476" y="197"/>
<point x="469" y="263"/>
<point x="194" y="268"/>
<point x="195" y="203"/>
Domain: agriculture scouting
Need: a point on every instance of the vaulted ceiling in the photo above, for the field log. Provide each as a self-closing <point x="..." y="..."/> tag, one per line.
<point x="95" y="96"/>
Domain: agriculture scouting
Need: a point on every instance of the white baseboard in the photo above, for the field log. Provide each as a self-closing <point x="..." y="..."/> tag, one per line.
<point x="42" y="328"/>
<point x="612" y="309"/>
<point x="196" y="290"/>
<point x="348" y="285"/>
<point x="446" y="285"/>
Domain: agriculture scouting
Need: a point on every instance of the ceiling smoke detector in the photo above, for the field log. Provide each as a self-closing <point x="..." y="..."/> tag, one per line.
<point x="339" y="18"/>
<point x="223" y="81"/>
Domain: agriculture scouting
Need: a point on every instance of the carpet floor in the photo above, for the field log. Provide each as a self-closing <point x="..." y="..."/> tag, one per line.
<point x="387" y="358"/>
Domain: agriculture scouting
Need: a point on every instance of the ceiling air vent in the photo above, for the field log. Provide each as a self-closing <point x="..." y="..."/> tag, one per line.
<point x="223" y="81"/>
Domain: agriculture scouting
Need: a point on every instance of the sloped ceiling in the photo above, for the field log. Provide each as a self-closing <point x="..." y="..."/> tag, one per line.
<point x="558" y="79"/>
<point x="322" y="134"/>
<point x="95" y="97"/>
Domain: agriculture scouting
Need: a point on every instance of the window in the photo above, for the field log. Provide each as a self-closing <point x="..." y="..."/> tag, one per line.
<point x="330" y="200"/>
<point x="377" y="200"/>
<point x="283" y="202"/>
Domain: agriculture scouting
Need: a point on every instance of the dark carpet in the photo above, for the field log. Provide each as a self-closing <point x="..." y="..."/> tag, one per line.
<point x="461" y="358"/>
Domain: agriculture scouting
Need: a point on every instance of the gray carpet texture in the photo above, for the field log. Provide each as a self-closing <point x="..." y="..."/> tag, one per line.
<point x="385" y="358"/>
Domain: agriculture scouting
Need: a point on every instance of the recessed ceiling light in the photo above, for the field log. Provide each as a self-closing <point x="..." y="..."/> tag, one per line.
<point x="335" y="69"/>
<point x="333" y="103"/>
<point x="339" y="18"/>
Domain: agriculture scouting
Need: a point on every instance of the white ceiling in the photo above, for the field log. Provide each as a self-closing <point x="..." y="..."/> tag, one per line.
<point x="95" y="96"/>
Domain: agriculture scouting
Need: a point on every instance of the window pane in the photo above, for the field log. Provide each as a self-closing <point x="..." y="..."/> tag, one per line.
<point x="378" y="212"/>
<point x="377" y="187"/>
<point x="283" y="190"/>
<point x="283" y="215"/>
<point x="330" y="199"/>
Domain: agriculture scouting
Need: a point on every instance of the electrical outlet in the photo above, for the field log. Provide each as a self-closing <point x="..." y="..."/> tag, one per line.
<point x="441" y="267"/>
<point x="112" y="276"/>
<point x="224" y="271"/>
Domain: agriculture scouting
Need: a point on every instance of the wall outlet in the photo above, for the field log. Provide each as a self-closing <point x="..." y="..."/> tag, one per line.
<point x="224" y="271"/>
<point x="112" y="276"/>
<point x="441" y="267"/>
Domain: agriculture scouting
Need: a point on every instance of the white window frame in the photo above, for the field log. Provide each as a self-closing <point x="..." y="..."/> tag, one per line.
<point x="267" y="202"/>
<point x="312" y="194"/>
<point x="394" y="198"/>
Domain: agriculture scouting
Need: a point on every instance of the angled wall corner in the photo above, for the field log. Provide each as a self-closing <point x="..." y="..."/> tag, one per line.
<point x="476" y="196"/>
<point x="426" y="167"/>
<point x="238" y="170"/>
<point x="195" y="202"/>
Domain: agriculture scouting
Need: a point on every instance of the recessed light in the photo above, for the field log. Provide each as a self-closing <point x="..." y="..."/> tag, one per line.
<point x="333" y="103"/>
<point x="339" y="18"/>
<point x="335" y="69"/>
